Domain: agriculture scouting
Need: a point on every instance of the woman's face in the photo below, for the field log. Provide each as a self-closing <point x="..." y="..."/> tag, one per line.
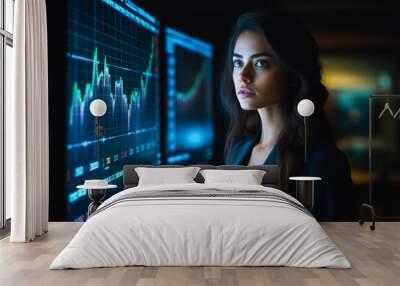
<point x="259" y="79"/>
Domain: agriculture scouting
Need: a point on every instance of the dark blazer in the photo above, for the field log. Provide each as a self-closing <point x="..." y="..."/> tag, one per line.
<point x="334" y="194"/>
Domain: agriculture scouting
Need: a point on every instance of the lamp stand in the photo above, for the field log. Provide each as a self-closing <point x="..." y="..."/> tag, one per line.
<point x="100" y="131"/>
<point x="305" y="144"/>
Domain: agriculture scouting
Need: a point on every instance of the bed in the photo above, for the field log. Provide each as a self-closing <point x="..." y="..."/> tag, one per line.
<point x="198" y="224"/>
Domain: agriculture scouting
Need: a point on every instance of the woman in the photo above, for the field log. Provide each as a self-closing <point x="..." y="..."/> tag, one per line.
<point x="273" y="63"/>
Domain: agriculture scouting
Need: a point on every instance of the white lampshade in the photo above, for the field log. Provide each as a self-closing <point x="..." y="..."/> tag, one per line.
<point x="98" y="107"/>
<point x="305" y="107"/>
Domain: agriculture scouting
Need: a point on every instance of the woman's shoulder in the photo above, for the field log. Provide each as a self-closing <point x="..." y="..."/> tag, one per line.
<point x="325" y="149"/>
<point x="335" y="194"/>
<point x="233" y="153"/>
<point x="240" y="148"/>
<point x="326" y="157"/>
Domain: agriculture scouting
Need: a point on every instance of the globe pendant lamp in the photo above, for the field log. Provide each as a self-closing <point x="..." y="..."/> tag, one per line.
<point x="305" y="108"/>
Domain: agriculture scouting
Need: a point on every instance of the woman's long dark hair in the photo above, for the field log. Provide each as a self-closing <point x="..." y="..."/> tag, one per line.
<point x="298" y="53"/>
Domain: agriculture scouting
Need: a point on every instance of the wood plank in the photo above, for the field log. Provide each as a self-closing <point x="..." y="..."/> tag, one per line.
<point x="374" y="255"/>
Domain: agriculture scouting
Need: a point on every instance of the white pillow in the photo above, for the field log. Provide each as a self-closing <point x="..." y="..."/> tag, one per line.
<point x="249" y="177"/>
<point x="163" y="176"/>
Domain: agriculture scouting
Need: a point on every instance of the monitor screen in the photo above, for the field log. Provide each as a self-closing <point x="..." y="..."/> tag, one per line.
<point x="113" y="55"/>
<point x="188" y="122"/>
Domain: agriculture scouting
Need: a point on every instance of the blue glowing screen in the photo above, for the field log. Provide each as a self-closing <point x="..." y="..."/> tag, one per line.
<point x="189" y="126"/>
<point x="113" y="55"/>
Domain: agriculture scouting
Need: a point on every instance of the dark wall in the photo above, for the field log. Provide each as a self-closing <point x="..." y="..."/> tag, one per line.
<point x="340" y="27"/>
<point x="57" y="43"/>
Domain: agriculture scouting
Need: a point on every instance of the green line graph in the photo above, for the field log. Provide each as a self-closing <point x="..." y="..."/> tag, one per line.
<point x="102" y="81"/>
<point x="185" y="96"/>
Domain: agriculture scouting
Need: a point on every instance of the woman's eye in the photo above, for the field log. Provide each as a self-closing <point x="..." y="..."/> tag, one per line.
<point x="237" y="63"/>
<point x="262" y="64"/>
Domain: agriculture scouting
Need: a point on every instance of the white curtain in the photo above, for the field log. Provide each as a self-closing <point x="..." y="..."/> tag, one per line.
<point x="27" y="144"/>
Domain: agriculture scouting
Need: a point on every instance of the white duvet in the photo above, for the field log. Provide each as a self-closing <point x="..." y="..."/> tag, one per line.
<point x="200" y="231"/>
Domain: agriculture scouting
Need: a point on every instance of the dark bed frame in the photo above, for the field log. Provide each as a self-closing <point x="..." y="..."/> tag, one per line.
<point x="270" y="179"/>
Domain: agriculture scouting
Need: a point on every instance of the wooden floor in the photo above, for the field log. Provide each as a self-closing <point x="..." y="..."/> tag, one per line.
<point x="375" y="256"/>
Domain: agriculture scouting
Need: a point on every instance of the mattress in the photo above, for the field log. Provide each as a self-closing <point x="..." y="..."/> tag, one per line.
<point x="201" y="225"/>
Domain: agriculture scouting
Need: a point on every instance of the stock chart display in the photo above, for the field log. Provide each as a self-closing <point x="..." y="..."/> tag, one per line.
<point x="189" y="126"/>
<point x="113" y="55"/>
